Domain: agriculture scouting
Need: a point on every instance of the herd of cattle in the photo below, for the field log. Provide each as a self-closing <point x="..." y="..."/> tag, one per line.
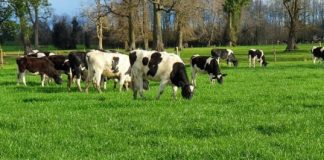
<point x="134" y="70"/>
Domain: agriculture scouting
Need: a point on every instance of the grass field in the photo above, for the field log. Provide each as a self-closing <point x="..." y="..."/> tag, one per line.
<point x="263" y="113"/>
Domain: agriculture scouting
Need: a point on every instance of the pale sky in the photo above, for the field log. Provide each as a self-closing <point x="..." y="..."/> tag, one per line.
<point x="69" y="7"/>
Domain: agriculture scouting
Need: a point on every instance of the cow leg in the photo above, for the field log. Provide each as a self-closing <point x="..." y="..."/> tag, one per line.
<point x="70" y="78"/>
<point x="162" y="86"/>
<point x="212" y="80"/>
<point x="314" y="59"/>
<point x="24" y="78"/>
<point x="97" y="79"/>
<point x="121" y="82"/>
<point x="193" y="76"/>
<point x="79" y="83"/>
<point x="21" y="77"/>
<point x="43" y="78"/>
<point x="254" y="59"/>
<point x="127" y="85"/>
<point x="261" y="61"/>
<point x="88" y="79"/>
<point x="250" y="61"/>
<point x="136" y="86"/>
<point x="174" y="89"/>
<point x="115" y="83"/>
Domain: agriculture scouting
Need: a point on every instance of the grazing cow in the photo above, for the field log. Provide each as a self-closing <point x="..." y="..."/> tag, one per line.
<point x="206" y="64"/>
<point x="256" y="54"/>
<point x="78" y="64"/>
<point x="226" y="54"/>
<point x="41" y="66"/>
<point x="61" y="63"/>
<point x="318" y="53"/>
<point x="159" y="66"/>
<point x="110" y="65"/>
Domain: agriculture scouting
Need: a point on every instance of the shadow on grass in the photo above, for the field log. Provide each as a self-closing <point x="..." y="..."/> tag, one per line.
<point x="8" y="83"/>
<point x="51" y="90"/>
<point x="8" y="126"/>
<point x="313" y="106"/>
<point x="34" y="100"/>
<point x="270" y="130"/>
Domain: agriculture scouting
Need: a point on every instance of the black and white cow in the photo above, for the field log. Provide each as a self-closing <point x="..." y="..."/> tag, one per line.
<point x="226" y="54"/>
<point x="206" y="64"/>
<point x="110" y="65"/>
<point x="78" y="64"/>
<point x="42" y="66"/>
<point x="256" y="54"/>
<point x="318" y="53"/>
<point x="159" y="66"/>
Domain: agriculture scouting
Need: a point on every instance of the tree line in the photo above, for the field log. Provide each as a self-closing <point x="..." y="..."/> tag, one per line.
<point x="158" y="24"/>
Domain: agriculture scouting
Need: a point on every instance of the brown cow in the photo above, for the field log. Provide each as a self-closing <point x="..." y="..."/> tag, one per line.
<point x="41" y="66"/>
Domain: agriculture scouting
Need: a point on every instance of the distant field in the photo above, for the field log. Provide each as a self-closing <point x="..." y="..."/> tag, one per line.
<point x="263" y="113"/>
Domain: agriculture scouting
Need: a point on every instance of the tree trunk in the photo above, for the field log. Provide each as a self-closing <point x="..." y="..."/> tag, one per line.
<point x="180" y="34"/>
<point x="229" y="30"/>
<point x="145" y="25"/>
<point x="24" y="35"/>
<point x="99" y="33"/>
<point x="293" y="11"/>
<point x="291" y="44"/>
<point x="157" y="29"/>
<point x="99" y="25"/>
<point x="131" y="29"/>
<point x="36" y="29"/>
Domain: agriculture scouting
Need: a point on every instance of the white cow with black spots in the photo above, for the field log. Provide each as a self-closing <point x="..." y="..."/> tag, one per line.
<point x="164" y="67"/>
<point x="111" y="65"/>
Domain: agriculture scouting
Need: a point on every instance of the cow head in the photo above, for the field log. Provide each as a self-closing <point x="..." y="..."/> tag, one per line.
<point x="264" y="63"/>
<point x="187" y="91"/>
<point x="220" y="78"/>
<point x="235" y="63"/>
<point x="57" y="79"/>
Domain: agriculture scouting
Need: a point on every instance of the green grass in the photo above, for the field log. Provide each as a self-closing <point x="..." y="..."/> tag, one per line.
<point x="263" y="113"/>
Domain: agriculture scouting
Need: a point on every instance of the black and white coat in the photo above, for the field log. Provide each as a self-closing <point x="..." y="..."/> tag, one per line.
<point x="226" y="54"/>
<point x="256" y="54"/>
<point x="159" y="66"/>
<point x="78" y="67"/>
<point x="318" y="53"/>
<point x="206" y="64"/>
<point x="39" y="54"/>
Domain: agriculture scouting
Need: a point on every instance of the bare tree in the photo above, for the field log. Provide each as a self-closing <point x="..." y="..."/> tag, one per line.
<point x="20" y="10"/>
<point x="145" y="24"/>
<point x="233" y="8"/>
<point x="5" y="11"/>
<point x="293" y="8"/>
<point x="97" y="15"/>
<point x="34" y="9"/>
<point x="158" y="7"/>
<point x="185" y="9"/>
<point x="126" y="8"/>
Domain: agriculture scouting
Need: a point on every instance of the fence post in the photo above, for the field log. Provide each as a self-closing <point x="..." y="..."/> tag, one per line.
<point x="1" y="58"/>
<point x="275" y="54"/>
<point x="177" y="51"/>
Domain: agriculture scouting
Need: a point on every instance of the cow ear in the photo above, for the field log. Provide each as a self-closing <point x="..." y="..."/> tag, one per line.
<point x="224" y="75"/>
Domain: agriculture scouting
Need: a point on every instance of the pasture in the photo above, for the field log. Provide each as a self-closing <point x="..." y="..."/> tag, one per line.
<point x="263" y="113"/>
